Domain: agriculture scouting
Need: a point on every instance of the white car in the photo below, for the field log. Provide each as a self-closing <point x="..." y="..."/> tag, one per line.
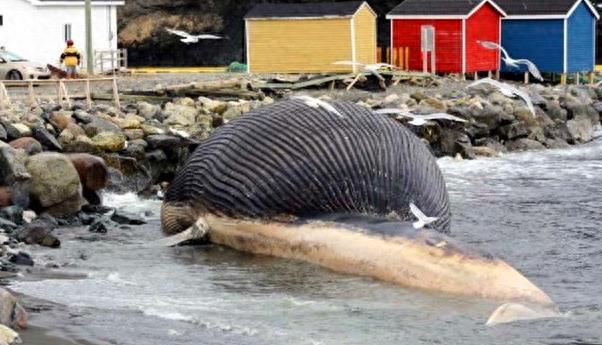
<point x="14" y="67"/>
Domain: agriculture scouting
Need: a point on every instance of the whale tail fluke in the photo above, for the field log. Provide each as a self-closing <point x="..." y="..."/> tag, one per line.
<point x="511" y="312"/>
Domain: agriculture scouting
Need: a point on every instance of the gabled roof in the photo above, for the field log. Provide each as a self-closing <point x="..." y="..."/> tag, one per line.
<point x="306" y="10"/>
<point x="439" y="8"/>
<point x="559" y="8"/>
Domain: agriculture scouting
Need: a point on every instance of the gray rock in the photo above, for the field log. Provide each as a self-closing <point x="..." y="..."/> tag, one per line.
<point x="513" y="131"/>
<point x="3" y="134"/>
<point x="556" y="112"/>
<point x="99" y="125"/>
<point x="162" y="141"/>
<point x="13" y="214"/>
<point x="12" y="314"/>
<point x="22" y="259"/>
<point x="54" y="179"/>
<point x="83" y="117"/>
<point x="40" y="235"/>
<point x="180" y="115"/>
<point x="46" y="139"/>
<point x="11" y="168"/>
<point x="147" y="110"/>
<point x="123" y="218"/>
<point x="556" y="144"/>
<point x="524" y="144"/>
<point x="580" y="130"/>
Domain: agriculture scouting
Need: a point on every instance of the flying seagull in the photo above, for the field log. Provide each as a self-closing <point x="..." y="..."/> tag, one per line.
<point x="318" y="103"/>
<point x="513" y="62"/>
<point x="423" y="220"/>
<point x="420" y="120"/>
<point x="507" y="90"/>
<point x="372" y="68"/>
<point x="188" y="38"/>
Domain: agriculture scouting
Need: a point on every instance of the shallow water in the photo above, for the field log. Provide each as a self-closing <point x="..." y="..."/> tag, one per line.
<point x="538" y="211"/>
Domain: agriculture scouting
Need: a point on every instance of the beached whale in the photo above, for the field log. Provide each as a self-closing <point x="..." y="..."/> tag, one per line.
<point x="332" y="188"/>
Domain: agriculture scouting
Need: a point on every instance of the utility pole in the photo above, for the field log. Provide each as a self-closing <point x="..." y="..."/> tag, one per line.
<point x="89" y="57"/>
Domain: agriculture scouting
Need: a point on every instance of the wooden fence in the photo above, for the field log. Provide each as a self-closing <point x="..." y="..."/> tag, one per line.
<point x="398" y="57"/>
<point x="62" y="95"/>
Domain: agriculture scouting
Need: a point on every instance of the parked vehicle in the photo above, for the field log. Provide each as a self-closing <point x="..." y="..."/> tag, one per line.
<point x="14" y="67"/>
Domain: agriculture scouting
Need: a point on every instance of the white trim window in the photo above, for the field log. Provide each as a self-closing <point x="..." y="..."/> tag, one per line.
<point x="67" y="32"/>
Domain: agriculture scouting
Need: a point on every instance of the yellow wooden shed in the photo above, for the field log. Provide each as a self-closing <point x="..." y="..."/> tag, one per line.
<point x="309" y="37"/>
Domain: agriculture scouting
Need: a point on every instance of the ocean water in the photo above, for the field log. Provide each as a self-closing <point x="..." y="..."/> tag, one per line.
<point x="539" y="211"/>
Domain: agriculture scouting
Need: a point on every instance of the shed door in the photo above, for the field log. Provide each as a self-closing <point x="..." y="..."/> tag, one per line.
<point x="427" y="38"/>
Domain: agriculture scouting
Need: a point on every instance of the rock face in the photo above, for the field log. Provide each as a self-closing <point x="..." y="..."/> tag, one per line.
<point x="55" y="181"/>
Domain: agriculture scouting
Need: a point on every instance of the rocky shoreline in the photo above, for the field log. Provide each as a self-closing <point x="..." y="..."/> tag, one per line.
<point x="55" y="161"/>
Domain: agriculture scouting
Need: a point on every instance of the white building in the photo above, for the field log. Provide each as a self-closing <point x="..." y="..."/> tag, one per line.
<point x="37" y="29"/>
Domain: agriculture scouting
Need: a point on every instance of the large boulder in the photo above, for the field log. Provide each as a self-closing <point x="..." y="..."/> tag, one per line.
<point x="92" y="170"/>
<point x="55" y="181"/>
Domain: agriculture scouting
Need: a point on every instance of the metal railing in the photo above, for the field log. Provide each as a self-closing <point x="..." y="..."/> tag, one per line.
<point x="111" y="61"/>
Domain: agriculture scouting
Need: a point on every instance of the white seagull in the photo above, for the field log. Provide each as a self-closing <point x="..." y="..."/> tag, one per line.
<point x="423" y="220"/>
<point x="372" y="68"/>
<point x="507" y="90"/>
<point x="420" y="120"/>
<point x="188" y="38"/>
<point x="513" y="62"/>
<point x="318" y="103"/>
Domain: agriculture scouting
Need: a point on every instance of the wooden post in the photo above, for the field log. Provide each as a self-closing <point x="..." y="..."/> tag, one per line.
<point x="577" y="78"/>
<point x="116" y="94"/>
<point x="388" y="55"/>
<point x="65" y="93"/>
<point x="125" y="59"/>
<point x="462" y="76"/>
<point x="526" y="76"/>
<point x="563" y="79"/>
<point x="359" y="75"/>
<point x="4" y="102"/>
<point x="379" y="55"/>
<point x="32" y="96"/>
<point x="407" y="58"/>
<point x="497" y="74"/>
<point x="114" y="56"/>
<point x="394" y="56"/>
<point x="590" y="78"/>
<point x="489" y="74"/>
<point x="60" y="92"/>
<point x="475" y="76"/>
<point x="88" y="95"/>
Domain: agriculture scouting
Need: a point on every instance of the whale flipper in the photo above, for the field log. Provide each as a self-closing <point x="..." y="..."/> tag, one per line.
<point x="511" y="312"/>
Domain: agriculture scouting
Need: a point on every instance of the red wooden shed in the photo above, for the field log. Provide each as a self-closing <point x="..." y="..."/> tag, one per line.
<point x="445" y="33"/>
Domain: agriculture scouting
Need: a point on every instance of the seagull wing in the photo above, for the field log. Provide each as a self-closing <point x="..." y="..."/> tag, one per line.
<point x="443" y="116"/>
<point x="532" y="68"/>
<point x="527" y="100"/>
<point x="178" y="33"/>
<point x="350" y="63"/>
<point x="208" y="37"/>
<point x="493" y="45"/>
<point x="400" y="112"/>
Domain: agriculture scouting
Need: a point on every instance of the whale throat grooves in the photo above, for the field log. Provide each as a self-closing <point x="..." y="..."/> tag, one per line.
<point x="293" y="159"/>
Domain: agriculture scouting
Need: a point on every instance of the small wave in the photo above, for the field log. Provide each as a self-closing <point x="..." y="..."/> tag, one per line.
<point x="115" y="278"/>
<point x="177" y="316"/>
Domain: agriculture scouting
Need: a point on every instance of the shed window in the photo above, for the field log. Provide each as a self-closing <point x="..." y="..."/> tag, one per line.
<point x="67" y="32"/>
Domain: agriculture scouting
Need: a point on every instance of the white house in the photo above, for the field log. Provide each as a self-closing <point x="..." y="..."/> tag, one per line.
<point x="37" y="29"/>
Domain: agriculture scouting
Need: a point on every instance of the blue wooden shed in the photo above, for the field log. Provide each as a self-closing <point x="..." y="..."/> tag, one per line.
<point x="559" y="36"/>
